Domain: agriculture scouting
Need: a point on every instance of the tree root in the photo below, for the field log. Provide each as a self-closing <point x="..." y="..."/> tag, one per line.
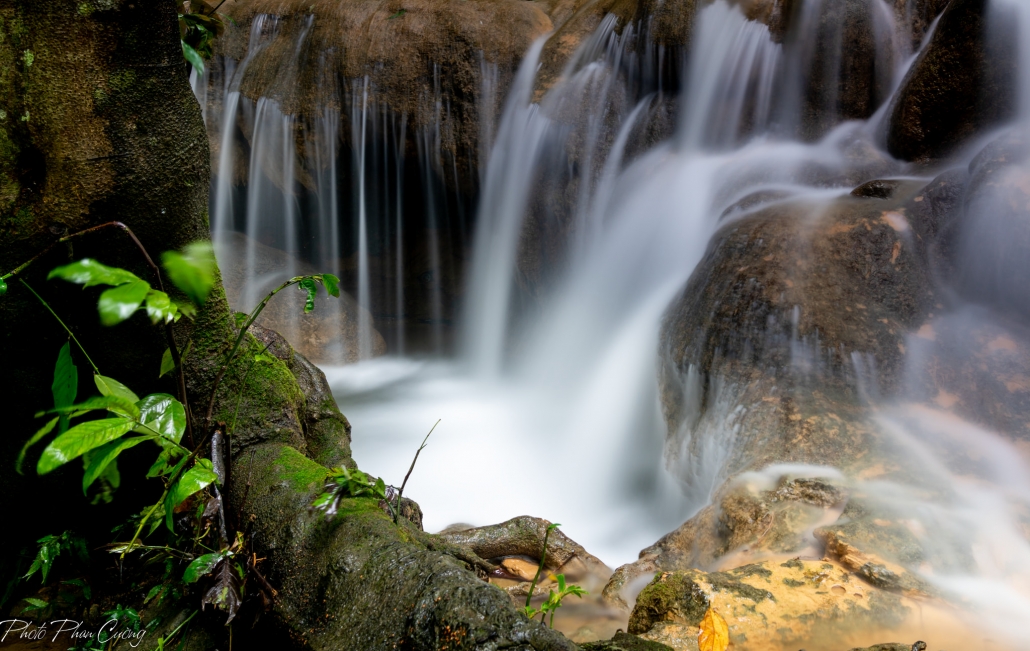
<point x="461" y="552"/>
<point x="524" y="536"/>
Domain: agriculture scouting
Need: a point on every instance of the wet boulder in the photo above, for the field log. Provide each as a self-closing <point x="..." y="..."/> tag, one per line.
<point x="962" y="83"/>
<point x="793" y="312"/>
<point x="992" y="267"/>
<point x="772" y="604"/>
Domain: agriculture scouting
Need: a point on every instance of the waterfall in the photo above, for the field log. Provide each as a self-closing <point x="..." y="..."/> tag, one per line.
<point x="520" y="288"/>
<point x="323" y="175"/>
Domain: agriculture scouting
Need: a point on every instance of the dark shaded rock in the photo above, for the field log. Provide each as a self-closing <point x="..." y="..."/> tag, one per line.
<point x="878" y="189"/>
<point x="934" y="210"/>
<point x="961" y="84"/>
<point x="846" y="62"/>
<point x="624" y="642"/>
<point x="994" y="234"/>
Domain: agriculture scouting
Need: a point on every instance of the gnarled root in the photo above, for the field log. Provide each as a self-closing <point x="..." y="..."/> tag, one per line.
<point x="524" y="536"/>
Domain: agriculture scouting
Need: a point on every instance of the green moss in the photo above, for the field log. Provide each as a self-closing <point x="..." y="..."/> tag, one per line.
<point x="122" y="79"/>
<point x="297" y="470"/>
<point x="670" y="596"/>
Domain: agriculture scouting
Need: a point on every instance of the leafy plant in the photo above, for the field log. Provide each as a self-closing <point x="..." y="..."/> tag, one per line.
<point x="100" y="428"/>
<point x="35" y="605"/>
<point x="125" y="616"/>
<point x="341" y="483"/>
<point x="554" y="599"/>
<point x="197" y="32"/>
<point x="51" y="547"/>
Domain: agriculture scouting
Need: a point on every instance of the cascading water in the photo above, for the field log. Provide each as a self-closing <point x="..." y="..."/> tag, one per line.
<point x="552" y="406"/>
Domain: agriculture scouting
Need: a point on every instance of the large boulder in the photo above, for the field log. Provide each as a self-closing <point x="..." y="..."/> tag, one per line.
<point x="786" y="309"/>
<point x="962" y="83"/>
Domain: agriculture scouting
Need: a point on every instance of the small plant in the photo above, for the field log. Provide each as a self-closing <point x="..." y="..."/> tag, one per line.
<point x="341" y="482"/>
<point x="197" y="32"/>
<point x="50" y="547"/>
<point x="554" y="599"/>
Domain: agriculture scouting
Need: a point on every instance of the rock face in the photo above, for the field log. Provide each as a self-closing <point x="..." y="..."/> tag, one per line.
<point x="327" y="335"/>
<point x="423" y="60"/>
<point x="787" y="295"/>
<point x="768" y="605"/>
<point x="962" y="83"/>
<point x="844" y="57"/>
<point x="992" y="266"/>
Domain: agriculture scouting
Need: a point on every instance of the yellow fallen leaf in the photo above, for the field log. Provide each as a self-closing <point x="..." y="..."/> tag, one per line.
<point x="714" y="634"/>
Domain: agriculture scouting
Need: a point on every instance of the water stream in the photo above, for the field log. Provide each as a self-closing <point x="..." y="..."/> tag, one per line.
<point x="551" y="407"/>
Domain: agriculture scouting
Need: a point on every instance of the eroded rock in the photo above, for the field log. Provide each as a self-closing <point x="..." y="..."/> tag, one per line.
<point x="773" y="604"/>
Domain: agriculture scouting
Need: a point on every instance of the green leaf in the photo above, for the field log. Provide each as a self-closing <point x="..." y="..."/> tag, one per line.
<point x="115" y="404"/>
<point x="160" y="466"/>
<point x="160" y="308"/>
<point x="66" y="378"/>
<point x="3" y="286"/>
<point x="89" y="272"/>
<point x="162" y="414"/>
<point x="111" y="387"/>
<point x="153" y="592"/>
<point x="36" y="604"/>
<point x="167" y="363"/>
<point x="43" y="431"/>
<point x="332" y="284"/>
<point x="308" y="285"/>
<point x="195" y="479"/>
<point x="81" y="439"/>
<point x="119" y="303"/>
<point x="201" y="566"/>
<point x="66" y="383"/>
<point x="105" y="455"/>
<point x="399" y="13"/>
<point x="193" y="270"/>
<point x="193" y="57"/>
<point x="185" y="309"/>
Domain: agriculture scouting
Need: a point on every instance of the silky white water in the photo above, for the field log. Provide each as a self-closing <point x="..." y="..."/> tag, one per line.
<point x="552" y="409"/>
<point x="561" y="418"/>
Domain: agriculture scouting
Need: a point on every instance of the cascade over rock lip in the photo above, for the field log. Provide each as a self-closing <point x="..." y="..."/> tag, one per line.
<point x="962" y="83"/>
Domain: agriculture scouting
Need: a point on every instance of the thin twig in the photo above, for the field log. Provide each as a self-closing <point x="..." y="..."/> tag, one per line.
<point x="404" y="483"/>
<point x="66" y="328"/>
